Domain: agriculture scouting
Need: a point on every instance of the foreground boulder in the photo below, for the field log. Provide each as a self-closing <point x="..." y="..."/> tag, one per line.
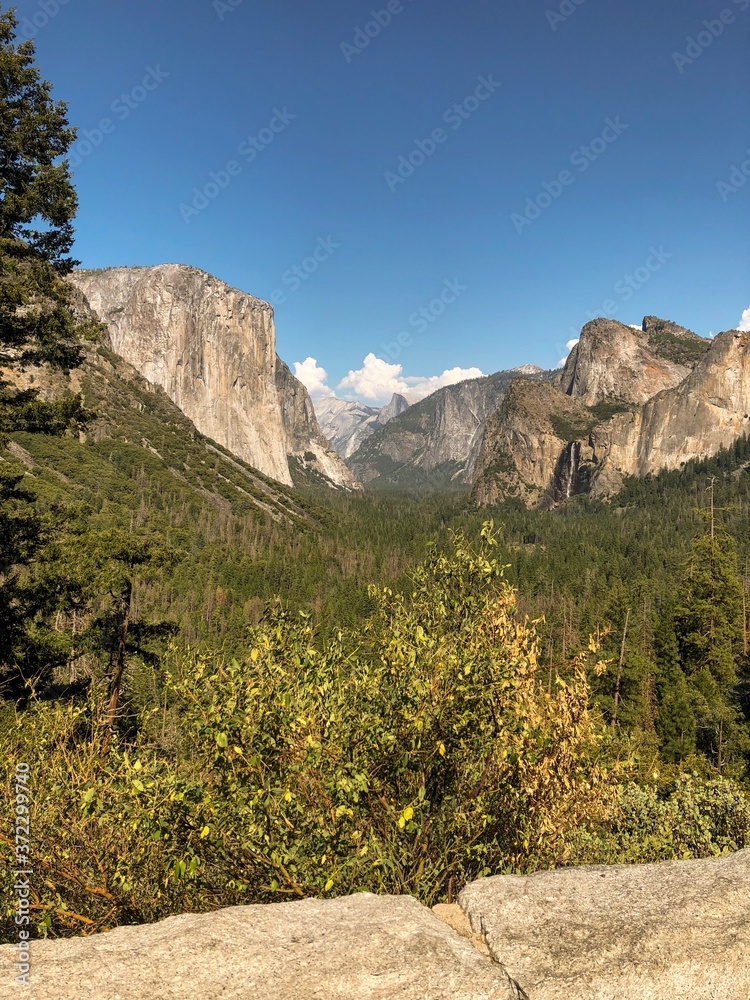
<point x="353" y="948"/>
<point x="673" y="931"/>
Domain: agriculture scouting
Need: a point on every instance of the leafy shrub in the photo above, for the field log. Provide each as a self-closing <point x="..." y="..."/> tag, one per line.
<point x="698" y="818"/>
<point x="425" y="751"/>
<point x="415" y="757"/>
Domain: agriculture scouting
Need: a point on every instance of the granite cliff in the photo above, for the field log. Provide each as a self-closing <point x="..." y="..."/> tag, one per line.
<point x="614" y="361"/>
<point x="212" y="349"/>
<point x="628" y="403"/>
<point x="524" y="451"/>
<point x="707" y="411"/>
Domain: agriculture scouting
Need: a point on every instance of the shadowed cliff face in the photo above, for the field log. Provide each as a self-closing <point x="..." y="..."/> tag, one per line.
<point x="212" y="349"/>
<point x="304" y="438"/>
<point x="628" y="403"/>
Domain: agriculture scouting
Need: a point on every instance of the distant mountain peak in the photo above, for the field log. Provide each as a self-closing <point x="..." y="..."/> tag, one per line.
<point x="349" y="423"/>
<point x="397" y="405"/>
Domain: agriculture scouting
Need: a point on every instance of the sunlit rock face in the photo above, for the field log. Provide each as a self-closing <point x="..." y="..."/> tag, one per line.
<point x="212" y="349"/>
<point x="628" y="402"/>
<point x="614" y="361"/>
<point x="708" y="411"/>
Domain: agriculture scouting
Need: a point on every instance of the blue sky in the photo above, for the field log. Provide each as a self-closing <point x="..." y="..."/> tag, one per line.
<point x="478" y="178"/>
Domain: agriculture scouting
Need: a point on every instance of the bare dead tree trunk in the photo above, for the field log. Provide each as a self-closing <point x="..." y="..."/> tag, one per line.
<point x="619" y="669"/>
<point x="118" y="661"/>
<point x="744" y="611"/>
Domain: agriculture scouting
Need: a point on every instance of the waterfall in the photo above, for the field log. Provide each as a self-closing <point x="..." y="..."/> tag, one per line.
<point x="574" y="450"/>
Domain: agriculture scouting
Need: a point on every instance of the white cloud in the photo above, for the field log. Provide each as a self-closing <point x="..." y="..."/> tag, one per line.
<point x="570" y="345"/>
<point x="745" y="321"/>
<point x="421" y="387"/>
<point x="377" y="380"/>
<point x="313" y="377"/>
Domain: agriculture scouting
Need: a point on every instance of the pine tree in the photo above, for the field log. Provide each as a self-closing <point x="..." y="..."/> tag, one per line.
<point x="709" y="628"/>
<point x="675" y="723"/>
<point x="109" y="565"/>
<point x="34" y="134"/>
<point x="37" y="207"/>
<point x="37" y="328"/>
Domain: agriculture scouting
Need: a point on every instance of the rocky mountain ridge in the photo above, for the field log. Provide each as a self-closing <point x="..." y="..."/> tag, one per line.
<point x="612" y="361"/>
<point x="212" y="348"/>
<point x="628" y="403"/>
<point x="347" y="424"/>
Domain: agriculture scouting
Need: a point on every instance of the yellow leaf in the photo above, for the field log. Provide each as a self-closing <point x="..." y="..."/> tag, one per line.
<point x="205" y="832"/>
<point x="329" y="885"/>
<point x="441" y="749"/>
<point x="287" y="796"/>
<point x="408" y="813"/>
<point x="254" y="655"/>
<point x="401" y="822"/>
